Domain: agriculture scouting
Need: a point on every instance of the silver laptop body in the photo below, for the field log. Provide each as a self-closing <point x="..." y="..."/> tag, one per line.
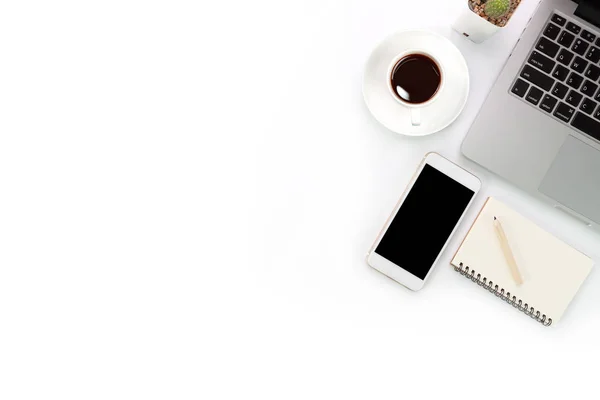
<point x="539" y="127"/>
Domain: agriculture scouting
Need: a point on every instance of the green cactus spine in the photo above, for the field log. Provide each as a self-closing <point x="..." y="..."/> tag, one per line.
<point x="497" y="8"/>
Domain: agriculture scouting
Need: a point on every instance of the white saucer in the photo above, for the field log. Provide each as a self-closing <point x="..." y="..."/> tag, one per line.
<point x="435" y="116"/>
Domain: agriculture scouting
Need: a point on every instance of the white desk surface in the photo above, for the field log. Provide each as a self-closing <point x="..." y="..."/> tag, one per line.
<point x="188" y="193"/>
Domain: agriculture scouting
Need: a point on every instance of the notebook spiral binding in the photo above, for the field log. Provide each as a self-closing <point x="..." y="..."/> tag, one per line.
<point x="500" y="293"/>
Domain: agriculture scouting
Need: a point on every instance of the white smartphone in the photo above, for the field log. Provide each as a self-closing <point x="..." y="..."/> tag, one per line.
<point x="423" y="221"/>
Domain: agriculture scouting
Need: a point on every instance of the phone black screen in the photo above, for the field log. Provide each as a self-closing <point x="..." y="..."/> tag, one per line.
<point x="424" y="222"/>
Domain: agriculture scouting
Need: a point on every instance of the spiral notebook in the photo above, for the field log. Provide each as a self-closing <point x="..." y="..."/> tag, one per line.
<point x="552" y="270"/>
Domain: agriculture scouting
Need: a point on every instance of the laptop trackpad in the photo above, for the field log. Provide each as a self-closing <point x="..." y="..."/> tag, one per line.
<point x="574" y="178"/>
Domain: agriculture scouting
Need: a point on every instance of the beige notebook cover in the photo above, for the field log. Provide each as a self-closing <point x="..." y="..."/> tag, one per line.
<point x="552" y="270"/>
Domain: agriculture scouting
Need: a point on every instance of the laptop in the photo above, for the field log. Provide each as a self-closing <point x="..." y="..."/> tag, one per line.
<point x="539" y="127"/>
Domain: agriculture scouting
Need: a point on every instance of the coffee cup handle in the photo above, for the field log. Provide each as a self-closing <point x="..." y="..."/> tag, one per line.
<point x="415" y="116"/>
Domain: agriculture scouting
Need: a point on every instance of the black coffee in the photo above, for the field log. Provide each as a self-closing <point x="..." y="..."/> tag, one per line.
<point x="416" y="78"/>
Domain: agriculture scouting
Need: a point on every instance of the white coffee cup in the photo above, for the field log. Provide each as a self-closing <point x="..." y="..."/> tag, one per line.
<point x="415" y="108"/>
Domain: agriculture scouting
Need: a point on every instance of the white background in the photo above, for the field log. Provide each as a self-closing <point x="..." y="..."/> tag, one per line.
<point x="187" y="193"/>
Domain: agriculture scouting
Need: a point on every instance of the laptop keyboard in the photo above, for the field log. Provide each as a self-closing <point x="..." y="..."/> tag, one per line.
<point x="561" y="76"/>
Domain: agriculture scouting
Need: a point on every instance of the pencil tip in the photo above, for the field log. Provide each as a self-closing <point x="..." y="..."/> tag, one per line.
<point x="494" y="218"/>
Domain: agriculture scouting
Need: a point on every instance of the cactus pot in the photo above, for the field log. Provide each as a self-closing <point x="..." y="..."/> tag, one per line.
<point x="474" y="27"/>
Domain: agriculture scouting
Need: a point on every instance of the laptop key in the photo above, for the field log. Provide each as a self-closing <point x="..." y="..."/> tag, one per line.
<point x="574" y="98"/>
<point x="574" y="80"/>
<point x="565" y="57"/>
<point x="579" y="64"/>
<point x="551" y="31"/>
<point x="547" y="47"/>
<point x="580" y="47"/>
<point x="593" y="73"/>
<point x="558" y="20"/>
<point x="573" y="28"/>
<point x="548" y="103"/>
<point x="589" y="88"/>
<point x="597" y="96"/>
<point x="587" y="35"/>
<point x="593" y="54"/>
<point x="588" y="106"/>
<point x="534" y="96"/>
<point x="520" y="87"/>
<point x="564" y="112"/>
<point x="597" y="116"/>
<point x="537" y="77"/>
<point x="542" y="62"/>
<point x="566" y="39"/>
<point x="560" y="73"/>
<point x="560" y="90"/>
<point x="587" y="125"/>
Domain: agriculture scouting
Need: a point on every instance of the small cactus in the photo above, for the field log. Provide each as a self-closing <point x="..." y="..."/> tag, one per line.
<point x="497" y="8"/>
